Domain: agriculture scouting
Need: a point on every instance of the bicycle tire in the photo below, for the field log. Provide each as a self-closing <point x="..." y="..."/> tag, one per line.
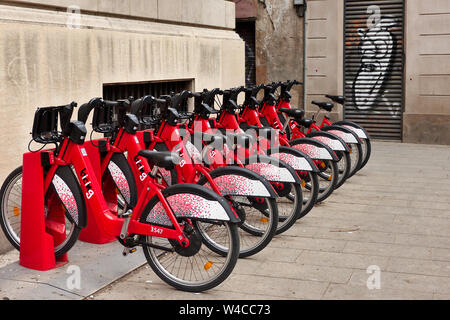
<point x="5" y="192"/>
<point x="231" y="255"/>
<point x="259" y="226"/>
<point x="308" y="204"/>
<point x="329" y="180"/>
<point x="345" y="161"/>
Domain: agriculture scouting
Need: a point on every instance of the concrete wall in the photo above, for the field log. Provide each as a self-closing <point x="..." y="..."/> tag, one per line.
<point x="43" y="62"/>
<point x="324" y="52"/>
<point x="279" y="45"/>
<point x="427" y="91"/>
<point x="216" y="13"/>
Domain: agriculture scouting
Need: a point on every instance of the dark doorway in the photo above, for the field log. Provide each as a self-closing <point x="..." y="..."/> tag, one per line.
<point x="246" y="30"/>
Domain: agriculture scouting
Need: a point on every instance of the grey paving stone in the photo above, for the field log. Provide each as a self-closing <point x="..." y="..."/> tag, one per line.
<point x="389" y="250"/>
<point x="421" y="240"/>
<point x="309" y="244"/>
<point x="405" y="281"/>
<point x="343" y="260"/>
<point x="346" y="292"/>
<point x="303" y="271"/>
<point x="283" y="288"/>
<point x="420" y="267"/>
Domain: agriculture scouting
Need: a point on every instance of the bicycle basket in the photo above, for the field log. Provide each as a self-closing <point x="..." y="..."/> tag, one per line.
<point x="148" y="116"/>
<point x="103" y="119"/>
<point x="45" y="124"/>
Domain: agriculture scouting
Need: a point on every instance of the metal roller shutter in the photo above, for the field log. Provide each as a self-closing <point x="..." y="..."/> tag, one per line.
<point x="373" y="65"/>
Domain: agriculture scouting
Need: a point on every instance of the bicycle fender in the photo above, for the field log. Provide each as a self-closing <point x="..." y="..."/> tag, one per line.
<point x="274" y="170"/>
<point x="331" y="140"/>
<point x="63" y="188"/>
<point x="345" y="134"/>
<point x="298" y="160"/>
<point x="360" y="131"/>
<point x="204" y="206"/>
<point x="166" y="175"/>
<point x="315" y="149"/>
<point x="237" y="181"/>
<point x="123" y="178"/>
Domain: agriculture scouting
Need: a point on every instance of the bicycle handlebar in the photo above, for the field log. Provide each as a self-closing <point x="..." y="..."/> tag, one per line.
<point x="66" y="114"/>
<point x="85" y="109"/>
<point x="287" y="86"/>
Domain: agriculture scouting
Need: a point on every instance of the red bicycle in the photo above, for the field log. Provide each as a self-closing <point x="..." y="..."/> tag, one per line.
<point x="362" y="134"/>
<point x="260" y="142"/>
<point x="243" y="150"/>
<point x="250" y="195"/>
<point x="353" y="135"/>
<point x="265" y="113"/>
<point x="296" y="118"/>
<point x="250" y="114"/>
<point x="166" y="223"/>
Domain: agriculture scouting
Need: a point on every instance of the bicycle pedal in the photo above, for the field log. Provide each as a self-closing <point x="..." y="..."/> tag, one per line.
<point x="127" y="251"/>
<point x="126" y="214"/>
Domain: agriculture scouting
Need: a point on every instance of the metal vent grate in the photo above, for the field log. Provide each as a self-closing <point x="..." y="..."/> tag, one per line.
<point x="373" y="65"/>
<point x="117" y="91"/>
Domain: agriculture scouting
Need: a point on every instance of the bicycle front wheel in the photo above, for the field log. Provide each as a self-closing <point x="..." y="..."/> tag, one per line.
<point x="344" y="166"/>
<point x="328" y="177"/>
<point x="367" y="150"/>
<point x="310" y="191"/>
<point x="356" y="156"/>
<point x="195" y="268"/>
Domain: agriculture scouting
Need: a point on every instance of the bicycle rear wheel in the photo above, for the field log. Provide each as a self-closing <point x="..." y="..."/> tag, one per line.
<point x="11" y="208"/>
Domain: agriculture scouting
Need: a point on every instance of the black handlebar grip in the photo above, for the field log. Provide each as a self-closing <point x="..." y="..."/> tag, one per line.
<point x="137" y="105"/>
<point x="161" y="101"/>
<point x="85" y="109"/>
<point x="66" y="114"/>
<point x="111" y="104"/>
<point x="195" y="95"/>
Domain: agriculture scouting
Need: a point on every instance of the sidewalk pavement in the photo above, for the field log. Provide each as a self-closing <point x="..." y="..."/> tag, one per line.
<point x="390" y="222"/>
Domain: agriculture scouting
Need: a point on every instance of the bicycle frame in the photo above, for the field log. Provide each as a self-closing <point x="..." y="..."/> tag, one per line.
<point x="269" y="112"/>
<point x="76" y="155"/>
<point x="297" y="133"/>
<point x="230" y="121"/>
<point x="189" y="170"/>
<point x="315" y="149"/>
<point x="215" y="159"/>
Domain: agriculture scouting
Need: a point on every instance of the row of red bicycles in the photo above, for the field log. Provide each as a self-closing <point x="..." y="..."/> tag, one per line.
<point x="196" y="190"/>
